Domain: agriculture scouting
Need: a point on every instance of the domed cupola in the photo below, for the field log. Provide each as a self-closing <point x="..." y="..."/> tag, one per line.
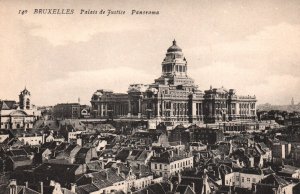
<point x="174" y="47"/>
<point x="174" y="67"/>
<point x="174" y="63"/>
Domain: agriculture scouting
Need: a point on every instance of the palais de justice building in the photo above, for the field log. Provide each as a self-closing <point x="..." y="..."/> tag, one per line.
<point x="174" y="97"/>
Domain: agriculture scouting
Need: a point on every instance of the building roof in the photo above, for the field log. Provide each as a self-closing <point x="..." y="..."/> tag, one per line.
<point x="102" y="179"/>
<point x="156" y="188"/>
<point x="274" y="180"/>
<point x="94" y="165"/>
<point x="167" y="157"/>
<point x="86" y="189"/>
<point x="184" y="189"/>
<point x="7" y="104"/>
<point x="21" y="159"/>
<point x="53" y="168"/>
<point x="17" y="152"/>
<point x="174" y="47"/>
<point x="25" y="92"/>
<point x="288" y="169"/>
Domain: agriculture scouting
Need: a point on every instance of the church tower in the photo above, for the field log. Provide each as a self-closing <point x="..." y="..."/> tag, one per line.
<point x="24" y="100"/>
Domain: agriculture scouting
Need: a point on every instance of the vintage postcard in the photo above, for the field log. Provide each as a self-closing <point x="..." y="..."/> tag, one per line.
<point x="152" y="97"/>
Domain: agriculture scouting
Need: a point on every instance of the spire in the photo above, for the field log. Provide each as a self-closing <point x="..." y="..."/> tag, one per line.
<point x="174" y="42"/>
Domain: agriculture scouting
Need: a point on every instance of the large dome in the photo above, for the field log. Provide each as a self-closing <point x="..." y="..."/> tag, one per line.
<point x="174" y="48"/>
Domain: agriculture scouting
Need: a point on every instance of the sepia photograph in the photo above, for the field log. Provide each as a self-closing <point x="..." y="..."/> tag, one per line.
<point x="150" y="97"/>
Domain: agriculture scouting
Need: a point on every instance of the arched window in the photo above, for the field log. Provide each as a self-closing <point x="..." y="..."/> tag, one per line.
<point x="28" y="103"/>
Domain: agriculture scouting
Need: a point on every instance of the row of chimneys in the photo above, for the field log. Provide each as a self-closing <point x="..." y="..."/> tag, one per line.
<point x="13" y="186"/>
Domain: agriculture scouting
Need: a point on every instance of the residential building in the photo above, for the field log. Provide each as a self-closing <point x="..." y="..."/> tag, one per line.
<point x="170" y="163"/>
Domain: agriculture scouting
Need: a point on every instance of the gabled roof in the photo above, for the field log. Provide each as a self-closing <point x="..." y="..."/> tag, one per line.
<point x="156" y="188"/>
<point x="7" y="104"/>
<point x="19" y="190"/>
<point x="189" y="180"/>
<point x="288" y="169"/>
<point x="94" y="165"/>
<point x="17" y="152"/>
<point x="167" y="158"/>
<point x="102" y="179"/>
<point x="20" y="158"/>
<point x="53" y="168"/>
<point x="274" y="180"/>
<point x="184" y="189"/>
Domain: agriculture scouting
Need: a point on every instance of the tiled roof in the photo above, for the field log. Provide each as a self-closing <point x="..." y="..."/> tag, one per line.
<point x="20" y="158"/>
<point x="86" y="189"/>
<point x="7" y="104"/>
<point x="17" y="152"/>
<point x="288" y="169"/>
<point x="123" y="154"/>
<point x="156" y="188"/>
<point x="141" y="170"/>
<point x="52" y="168"/>
<point x="167" y="158"/>
<point x="94" y="165"/>
<point x="274" y="180"/>
<point x="189" y="180"/>
<point x="102" y="179"/>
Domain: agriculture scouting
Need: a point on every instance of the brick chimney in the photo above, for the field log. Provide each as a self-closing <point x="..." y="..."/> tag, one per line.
<point x="42" y="187"/>
<point x="106" y="175"/>
<point x="193" y="186"/>
<point x="118" y="170"/>
<point x="179" y="178"/>
<point x="13" y="186"/>
<point x="73" y="187"/>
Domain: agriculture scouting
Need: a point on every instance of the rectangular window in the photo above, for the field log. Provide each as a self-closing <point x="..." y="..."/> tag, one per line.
<point x="248" y="180"/>
<point x="242" y="179"/>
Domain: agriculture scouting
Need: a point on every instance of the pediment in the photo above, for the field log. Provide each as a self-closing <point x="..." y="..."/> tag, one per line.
<point x="18" y="113"/>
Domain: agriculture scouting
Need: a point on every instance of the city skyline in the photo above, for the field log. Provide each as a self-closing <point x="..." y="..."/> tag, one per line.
<point x="251" y="46"/>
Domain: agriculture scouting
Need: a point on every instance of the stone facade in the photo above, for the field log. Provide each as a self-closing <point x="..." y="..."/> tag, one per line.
<point x="15" y="115"/>
<point x="174" y="97"/>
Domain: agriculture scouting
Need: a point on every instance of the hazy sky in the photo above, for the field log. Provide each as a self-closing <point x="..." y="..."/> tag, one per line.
<point x="250" y="45"/>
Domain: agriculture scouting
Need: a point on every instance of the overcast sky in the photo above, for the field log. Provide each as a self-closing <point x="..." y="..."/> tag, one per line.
<point x="250" y="45"/>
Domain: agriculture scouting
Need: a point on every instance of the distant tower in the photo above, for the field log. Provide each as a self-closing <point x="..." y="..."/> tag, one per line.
<point x="292" y="102"/>
<point x="24" y="100"/>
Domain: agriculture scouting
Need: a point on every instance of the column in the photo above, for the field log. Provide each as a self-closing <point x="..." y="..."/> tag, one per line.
<point x="158" y="109"/>
<point x="162" y="108"/>
<point x="98" y="110"/>
<point x="140" y="108"/>
<point x="129" y="109"/>
<point x="101" y="110"/>
<point x="194" y="109"/>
